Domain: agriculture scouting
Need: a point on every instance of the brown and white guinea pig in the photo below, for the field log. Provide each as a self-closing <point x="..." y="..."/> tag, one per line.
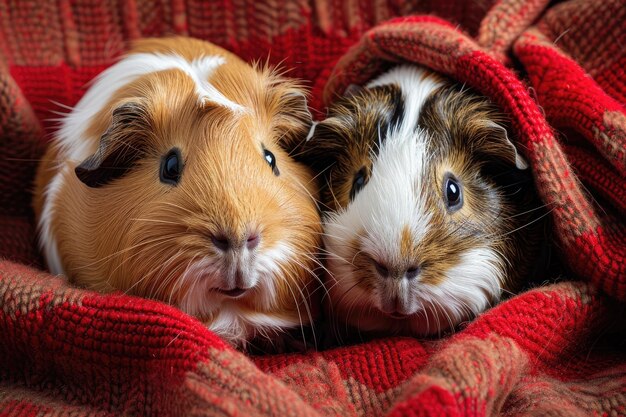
<point x="171" y="179"/>
<point x="427" y="205"/>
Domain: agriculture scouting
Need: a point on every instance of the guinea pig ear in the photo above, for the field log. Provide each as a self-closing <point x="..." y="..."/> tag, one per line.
<point x="321" y="147"/>
<point x="501" y="146"/>
<point x="353" y="90"/>
<point x="293" y="120"/>
<point x="120" y="147"/>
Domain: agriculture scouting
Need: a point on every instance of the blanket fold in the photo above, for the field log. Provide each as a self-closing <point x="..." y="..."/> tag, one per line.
<point x="557" y="69"/>
<point x="73" y="350"/>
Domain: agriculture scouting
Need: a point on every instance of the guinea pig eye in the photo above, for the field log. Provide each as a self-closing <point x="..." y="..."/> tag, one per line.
<point x="171" y="167"/>
<point x="453" y="195"/>
<point x="359" y="181"/>
<point x="271" y="161"/>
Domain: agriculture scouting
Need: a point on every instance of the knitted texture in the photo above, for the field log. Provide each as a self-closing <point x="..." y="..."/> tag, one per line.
<point x="554" y="351"/>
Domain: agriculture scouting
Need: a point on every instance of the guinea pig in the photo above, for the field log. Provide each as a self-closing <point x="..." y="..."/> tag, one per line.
<point x="430" y="214"/>
<point x="171" y="179"/>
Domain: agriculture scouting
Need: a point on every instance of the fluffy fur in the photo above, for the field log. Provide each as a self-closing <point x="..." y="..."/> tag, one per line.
<point x="399" y="259"/>
<point x="124" y="229"/>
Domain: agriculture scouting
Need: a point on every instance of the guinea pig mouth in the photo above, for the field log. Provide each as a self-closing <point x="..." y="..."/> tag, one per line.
<point x="234" y="293"/>
<point x="398" y="316"/>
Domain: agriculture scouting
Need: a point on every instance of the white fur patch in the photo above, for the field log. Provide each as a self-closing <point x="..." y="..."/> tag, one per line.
<point x="392" y="199"/>
<point x="199" y="278"/>
<point x="71" y="134"/>
<point x="236" y="326"/>
<point x="416" y="87"/>
<point x="229" y="326"/>
<point x="467" y="289"/>
<point x="388" y="203"/>
<point x="311" y="131"/>
<point x="268" y="266"/>
<point x="231" y="323"/>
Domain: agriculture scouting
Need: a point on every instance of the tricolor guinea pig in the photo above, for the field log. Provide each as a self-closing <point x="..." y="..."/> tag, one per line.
<point x="430" y="213"/>
<point x="171" y="179"/>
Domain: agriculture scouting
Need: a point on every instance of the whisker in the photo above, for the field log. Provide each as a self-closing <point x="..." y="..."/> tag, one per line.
<point x="155" y="221"/>
<point x="160" y="238"/>
<point x="293" y="295"/>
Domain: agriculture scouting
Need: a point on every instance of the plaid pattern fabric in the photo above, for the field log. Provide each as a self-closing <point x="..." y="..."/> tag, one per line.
<point x="557" y="350"/>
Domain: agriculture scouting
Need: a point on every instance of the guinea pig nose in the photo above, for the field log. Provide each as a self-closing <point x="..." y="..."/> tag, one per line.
<point x="412" y="272"/>
<point x="221" y="242"/>
<point x="382" y="269"/>
<point x="225" y="243"/>
<point x="252" y="241"/>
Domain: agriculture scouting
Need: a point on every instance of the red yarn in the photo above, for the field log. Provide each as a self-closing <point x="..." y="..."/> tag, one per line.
<point x="556" y="350"/>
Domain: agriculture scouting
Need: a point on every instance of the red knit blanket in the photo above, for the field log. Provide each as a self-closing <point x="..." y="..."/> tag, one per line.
<point x="558" y="350"/>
